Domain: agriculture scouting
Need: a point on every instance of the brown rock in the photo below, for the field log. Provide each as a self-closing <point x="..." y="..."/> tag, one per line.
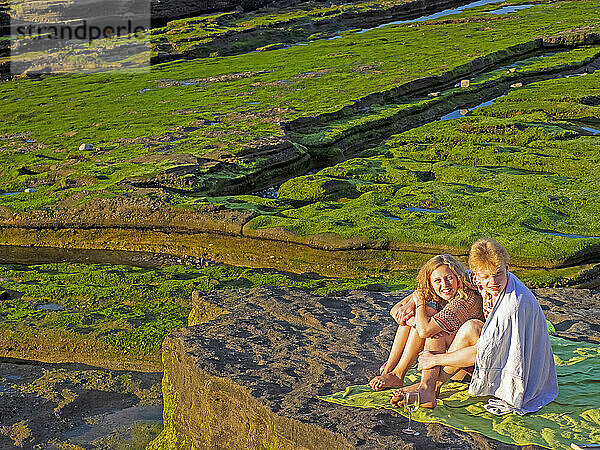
<point x="575" y="313"/>
<point x="257" y="360"/>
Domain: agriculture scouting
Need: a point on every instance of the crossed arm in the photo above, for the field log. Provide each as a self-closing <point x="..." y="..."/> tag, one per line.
<point x="463" y="357"/>
<point x="412" y="311"/>
<point x="455" y="351"/>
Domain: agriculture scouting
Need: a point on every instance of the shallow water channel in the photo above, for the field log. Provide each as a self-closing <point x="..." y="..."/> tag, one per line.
<point x="13" y="254"/>
<point x="446" y="12"/>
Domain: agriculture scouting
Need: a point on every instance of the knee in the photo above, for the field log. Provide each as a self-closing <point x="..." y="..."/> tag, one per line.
<point x="470" y="330"/>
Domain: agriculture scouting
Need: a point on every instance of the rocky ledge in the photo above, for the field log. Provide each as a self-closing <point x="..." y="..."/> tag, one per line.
<point x="247" y="372"/>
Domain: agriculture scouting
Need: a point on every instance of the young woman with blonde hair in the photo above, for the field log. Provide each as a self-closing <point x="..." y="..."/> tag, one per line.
<point x="448" y="300"/>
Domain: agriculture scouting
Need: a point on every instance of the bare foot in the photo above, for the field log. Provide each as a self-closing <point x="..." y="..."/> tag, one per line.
<point x="385" y="381"/>
<point x="427" y="398"/>
<point x="412" y="387"/>
<point x="398" y="399"/>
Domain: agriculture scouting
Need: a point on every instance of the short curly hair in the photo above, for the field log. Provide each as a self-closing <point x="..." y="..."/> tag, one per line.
<point x="487" y="254"/>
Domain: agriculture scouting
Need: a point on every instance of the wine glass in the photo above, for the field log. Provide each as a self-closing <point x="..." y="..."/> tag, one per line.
<point x="412" y="400"/>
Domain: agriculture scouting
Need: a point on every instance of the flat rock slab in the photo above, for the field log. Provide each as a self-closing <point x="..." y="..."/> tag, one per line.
<point x="249" y="376"/>
<point x="73" y="405"/>
<point x="575" y="313"/>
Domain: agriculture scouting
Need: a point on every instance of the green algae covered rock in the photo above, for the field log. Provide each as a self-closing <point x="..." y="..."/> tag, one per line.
<point x="182" y="149"/>
<point x="523" y="169"/>
<point x="311" y="188"/>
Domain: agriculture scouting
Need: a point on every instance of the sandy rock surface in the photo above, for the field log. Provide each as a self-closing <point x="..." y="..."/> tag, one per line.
<point x="76" y="406"/>
<point x="575" y="313"/>
<point x="260" y="367"/>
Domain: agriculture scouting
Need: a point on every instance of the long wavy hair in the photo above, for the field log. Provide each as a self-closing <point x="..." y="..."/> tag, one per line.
<point x="425" y="287"/>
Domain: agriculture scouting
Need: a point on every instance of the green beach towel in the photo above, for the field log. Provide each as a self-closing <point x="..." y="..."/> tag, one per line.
<point x="574" y="416"/>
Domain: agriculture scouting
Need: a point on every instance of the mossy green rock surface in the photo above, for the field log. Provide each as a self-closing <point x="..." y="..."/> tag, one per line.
<point x="179" y="152"/>
<point x="523" y="169"/>
<point x="117" y="316"/>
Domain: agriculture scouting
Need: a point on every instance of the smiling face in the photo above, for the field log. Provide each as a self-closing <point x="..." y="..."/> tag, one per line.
<point x="492" y="281"/>
<point x="444" y="282"/>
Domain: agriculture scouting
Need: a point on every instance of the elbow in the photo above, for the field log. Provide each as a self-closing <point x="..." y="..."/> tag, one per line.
<point x="423" y="332"/>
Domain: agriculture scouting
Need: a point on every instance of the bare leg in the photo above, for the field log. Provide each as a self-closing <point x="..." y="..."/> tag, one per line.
<point x="467" y="336"/>
<point x="459" y="376"/>
<point x="432" y="379"/>
<point x="428" y="387"/>
<point x="398" y="364"/>
<point x="398" y="345"/>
